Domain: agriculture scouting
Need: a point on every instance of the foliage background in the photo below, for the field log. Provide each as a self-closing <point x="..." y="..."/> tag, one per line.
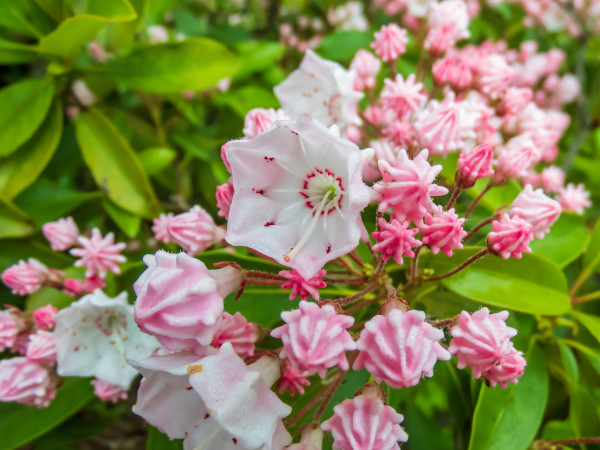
<point x="143" y="148"/>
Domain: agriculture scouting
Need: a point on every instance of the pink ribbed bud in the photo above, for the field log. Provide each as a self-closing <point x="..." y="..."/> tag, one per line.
<point x="515" y="160"/>
<point x="259" y="119"/>
<point x="108" y="392"/>
<point x="194" y="231"/>
<point x="482" y="341"/>
<point x="181" y="302"/>
<point x="390" y="42"/>
<point x="237" y="331"/>
<point x="448" y="23"/>
<point x="25" y="382"/>
<point x="473" y="165"/>
<point x="510" y="237"/>
<point x="61" y="234"/>
<point x="10" y="326"/>
<point x="552" y="179"/>
<point x="508" y="370"/>
<point x="536" y="208"/>
<point x="494" y="75"/>
<point x="574" y="198"/>
<point x="400" y="132"/>
<point x="514" y="101"/>
<point x="293" y="379"/>
<point x="224" y="196"/>
<point x="443" y="231"/>
<point x="395" y="240"/>
<point x="303" y="288"/>
<point x="400" y="348"/>
<point x="439" y="127"/>
<point x="407" y="186"/>
<point x="25" y="277"/>
<point x="315" y="338"/>
<point x="453" y="71"/>
<point x="44" y="317"/>
<point x="402" y="95"/>
<point x="98" y="254"/>
<point x="41" y="348"/>
<point x="365" y="423"/>
<point x="366" y="66"/>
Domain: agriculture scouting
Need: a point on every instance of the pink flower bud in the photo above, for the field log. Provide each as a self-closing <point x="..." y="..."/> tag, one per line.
<point x="97" y="53"/>
<point x="181" y="302"/>
<point x="537" y="209"/>
<point x="574" y="198"/>
<point x="495" y="75"/>
<point x="10" y="326"/>
<point x="365" y="423"/>
<point x="61" y="234"/>
<point x="474" y="165"/>
<point x="237" y="331"/>
<point x="390" y="42"/>
<point x="293" y="379"/>
<point x="448" y="23"/>
<point x="98" y="254"/>
<point x="303" y="288"/>
<point x="400" y="348"/>
<point x="108" y="392"/>
<point x="83" y="94"/>
<point x="510" y="237"/>
<point x="402" y="95"/>
<point x="315" y="338"/>
<point x="157" y="34"/>
<point x="224" y="196"/>
<point x="194" y="231"/>
<point x="41" y="348"/>
<point x="366" y="67"/>
<point x="25" y="382"/>
<point x="439" y="127"/>
<point x="25" y="277"/>
<point x="259" y="119"/>
<point x="552" y="179"/>
<point x="395" y="240"/>
<point x="482" y="341"/>
<point x="515" y="160"/>
<point x="514" y="100"/>
<point x="443" y="231"/>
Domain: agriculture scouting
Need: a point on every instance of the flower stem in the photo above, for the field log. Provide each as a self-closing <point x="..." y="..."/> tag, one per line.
<point x="586" y="298"/>
<point x="584" y="275"/>
<point x="468" y="262"/>
<point x="332" y="390"/>
<point x="310" y="405"/>
<point x="553" y="444"/>
<point x="479" y="197"/>
<point x="265" y="275"/>
<point x="344" y="280"/>
<point x="477" y="228"/>
<point x="353" y="298"/>
<point x="453" y="198"/>
<point x="264" y="282"/>
<point x="414" y="266"/>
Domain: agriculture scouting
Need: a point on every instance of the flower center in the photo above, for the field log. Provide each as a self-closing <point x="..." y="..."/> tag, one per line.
<point x="323" y="192"/>
<point x="110" y="322"/>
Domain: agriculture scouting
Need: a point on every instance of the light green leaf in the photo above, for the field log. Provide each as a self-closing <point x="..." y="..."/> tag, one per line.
<point x="13" y="221"/>
<point x="569" y="363"/>
<point x="78" y="30"/>
<point x="25" y="17"/>
<point x="257" y="56"/>
<point x="591" y="257"/>
<point x="114" y="165"/>
<point x="246" y="98"/>
<point x="24" y="106"/>
<point x="509" y="418"/>
<point x="57" y="9"/>
<point x="126" y="221"/>
<point x="195" y="64"/>
<point x="592" y="323"/>
<point x="20" y="424"/>
<point x="48" y="296"/>
<point x="567" y="239"/>
<point x="343" y="45"/>
<point x="496" y="197"/>
<point x="20" y="169"/>
<point x="157" y="158"/>
<point x="16" y="53"/>
<point x="532" y="284"/>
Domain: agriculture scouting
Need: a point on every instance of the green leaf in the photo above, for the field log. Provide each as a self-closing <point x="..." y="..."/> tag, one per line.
<point x="20" y="424"/>
<point x="25" y="17"/>
<point x="114" y="165"/>
<point x="246" y="98"/>
<point x="126" y="221"/>
<point x="16" y="53"/>
<point x="592" y="323"/>
<point x="569" y="363"/>
<point x="24" y="106"/>
<point x="48" y="296"/>
<point x="257" y="56"/>
<point x="567" y="239"/>
<point x="76" y="31"/>
<point x="57" y="9"/>
<point x="532" y="284"/>
<point x="156" y="159"/>
<point x="160" y="441"/>
<point x="509" y="418"/>
<point x="14" y="249"/>
<point x="496" y="197"/>
<point x="22" y="168"/>
<point x="13" y="221"/>
<point x="591" y="257"/>
<point x="343" y="45"/>
<point x="195" y="64"/>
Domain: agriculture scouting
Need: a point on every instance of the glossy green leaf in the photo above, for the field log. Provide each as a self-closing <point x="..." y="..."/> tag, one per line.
<point x="157" y="158"/>
<point x="592" y="323"/>
<point x="57" y="9"/>
<point x="195" y="64"/>
<point x="20" y="424"/>
<point x="48" y="296"/>
<point x="509" y="418"/>
<point x="591" y="257"/>
<point x="13" y="221"/>
<point x="126" y="221"/>
<point x="257" y="56"/>
<point x="343" y="45"/>
<point x="569" y="363"/>
<point x="25" y="17"/>
<point x="114" y="165"/>
<point x="14" y="249"/>
<point x="496" y="197"/>
<point x="531" y="284"/>
<point x="24" y="106"/>
<point x="16" y="53"/>
<point x="567" y="239"/>
<point x="78" y="30"/>
<point x="22" y="168"/>
<point x="160" y="441"/>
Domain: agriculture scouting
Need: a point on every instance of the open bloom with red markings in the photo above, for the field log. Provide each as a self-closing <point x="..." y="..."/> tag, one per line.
<point x="298" y="195"/>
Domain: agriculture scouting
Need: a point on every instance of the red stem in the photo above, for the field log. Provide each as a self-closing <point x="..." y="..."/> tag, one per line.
<point x="468" y="262"/>
<point x="453" y="198"/>
<point x="479" y="197"/>
<point x="477" y="228"/>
